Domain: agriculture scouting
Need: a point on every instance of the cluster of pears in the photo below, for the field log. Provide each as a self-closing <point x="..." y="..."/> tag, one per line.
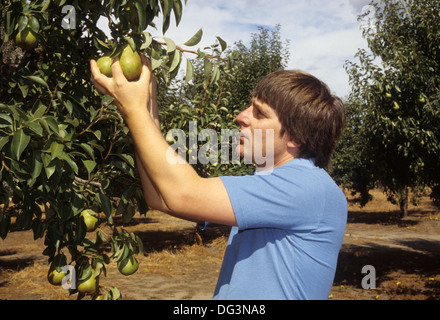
<point x="55" y="275"/>
<point x="89" y="286"/>
<point x="129" y="60"/>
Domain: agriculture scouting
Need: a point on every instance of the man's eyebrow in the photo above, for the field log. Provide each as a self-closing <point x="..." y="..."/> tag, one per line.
<point x="259" y="105"/>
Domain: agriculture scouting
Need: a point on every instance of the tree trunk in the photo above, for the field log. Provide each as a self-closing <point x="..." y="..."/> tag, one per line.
<point x="404" y="203"/>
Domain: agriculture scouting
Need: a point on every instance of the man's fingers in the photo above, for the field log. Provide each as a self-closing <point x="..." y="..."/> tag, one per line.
<point x="147" y="74"/>
<point x="117" y="73"/>
<point x="146" y="69"/>
<point x="100" y="88"/>
<point x="96" y="73"/>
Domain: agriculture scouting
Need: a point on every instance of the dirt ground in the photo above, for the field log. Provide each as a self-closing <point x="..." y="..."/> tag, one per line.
<point x="175" y="265"/>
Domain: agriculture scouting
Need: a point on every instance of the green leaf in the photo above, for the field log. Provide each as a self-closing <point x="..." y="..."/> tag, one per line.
<point x="141" y="15"/>
<point x="24" y="219"/>
<point x="124" y="253"/>
<point x="128" y="214"/>
<point x="56" y="150"/>
<point x="60" y="3"/>
<point x="148" y="40"/>
<point x="37" y="228"/>
<point x="99" y="266"/>
<point x="64" y="156"/>
<point x="81" y="230"/>
<point x="69" y="106"/>
<point x="100" y="45"/>
<point x="52" y="124"/>
<point x="37" y="80"/>
<point x="49" y="166"/>
<point x="88" y="149"/>
<point x="155" y="63"/>
<point x="127" y="158"/>
<point x="115" y="294"/>
<point x="207" y="67"/>
<point x="44" y="125"/>
<point x="106" y="206"/>
<point x="178" y="10"/>
<point x="19" y="142"/>
<point x="3" y="140"/>
<point x="171" y="46"/>
<point x="86" y="273"/>
<point x="35" y="126"/>
<point x="215" y="74"/>
<point x="59" y="261"/>
<point x="189" y="71"/>
<point x="166" y="24"/>
<point x="22" y="23"/>
<point x="5" y="223"/>
<point x="139" y="243"/>
<point x="90" y="165"/>
<point x="222" y="43"/>
<point x="24" y="90"/>
<point x="195" y="40"/>
<point x="38" y="166"/>
<point x="5" y="121"/>
<point x="10" y="25"/>
<point x="176" y="59"/>
<point x="130" y="42"/>
<point x="45" y="5"/>
<point x="34" y="24"/>
<point x="77" y="201"/>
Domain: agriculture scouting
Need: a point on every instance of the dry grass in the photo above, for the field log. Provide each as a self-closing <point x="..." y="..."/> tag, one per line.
<point x="174" y="265"/>
<point x="171" y="253"/>
<point x="30" y="284"/>
<point x="181" y="261"/>
<point x="404" y="252"/>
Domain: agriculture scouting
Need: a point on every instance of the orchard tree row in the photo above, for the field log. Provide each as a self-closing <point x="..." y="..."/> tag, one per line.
<point x="392" y="139"/>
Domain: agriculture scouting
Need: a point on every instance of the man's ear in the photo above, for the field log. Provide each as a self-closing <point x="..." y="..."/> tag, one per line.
<point x="291" y="144"/>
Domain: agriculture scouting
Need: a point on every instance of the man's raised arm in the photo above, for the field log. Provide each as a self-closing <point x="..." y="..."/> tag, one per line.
<point x="176" y="188"/>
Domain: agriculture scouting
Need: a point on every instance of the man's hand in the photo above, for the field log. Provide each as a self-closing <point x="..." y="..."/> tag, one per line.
<point x="131" y="97"/>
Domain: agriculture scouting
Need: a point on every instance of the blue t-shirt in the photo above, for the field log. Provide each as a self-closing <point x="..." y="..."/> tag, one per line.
<point x="291" y="224"/>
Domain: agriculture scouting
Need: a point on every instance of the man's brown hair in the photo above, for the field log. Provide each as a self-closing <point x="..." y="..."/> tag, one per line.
<point x="309" y="113"/>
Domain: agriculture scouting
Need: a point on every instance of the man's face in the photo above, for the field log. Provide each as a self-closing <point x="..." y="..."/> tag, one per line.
<point x="261" y="141"/>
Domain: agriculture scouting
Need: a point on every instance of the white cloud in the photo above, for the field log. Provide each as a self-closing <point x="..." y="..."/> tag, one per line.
<point x="323" y="33"/>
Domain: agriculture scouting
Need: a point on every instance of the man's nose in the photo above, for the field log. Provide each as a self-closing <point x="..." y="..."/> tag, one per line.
<point x="243" y="117"/>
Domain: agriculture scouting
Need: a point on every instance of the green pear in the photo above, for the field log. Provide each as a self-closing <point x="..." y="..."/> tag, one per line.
<point x="26" y="39"/>
<point x="105" y="65"/>
<point x="131" y="63"/>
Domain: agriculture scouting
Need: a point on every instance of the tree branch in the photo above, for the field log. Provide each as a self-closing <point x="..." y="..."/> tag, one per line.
<point x="192" y="51"/>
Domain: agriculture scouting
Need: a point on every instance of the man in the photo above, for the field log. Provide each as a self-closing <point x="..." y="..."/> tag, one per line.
<point x="288" y="218"/>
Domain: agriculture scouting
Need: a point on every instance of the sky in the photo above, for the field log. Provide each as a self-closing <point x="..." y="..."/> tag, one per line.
<point x="323" y="34"/>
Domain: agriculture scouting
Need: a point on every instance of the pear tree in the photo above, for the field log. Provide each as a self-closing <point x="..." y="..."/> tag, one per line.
<point x="395" y="90"/>
<point x="64" y="147"/>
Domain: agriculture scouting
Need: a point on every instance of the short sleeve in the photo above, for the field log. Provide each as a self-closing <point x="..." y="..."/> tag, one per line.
<point x="285" y="199"/>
